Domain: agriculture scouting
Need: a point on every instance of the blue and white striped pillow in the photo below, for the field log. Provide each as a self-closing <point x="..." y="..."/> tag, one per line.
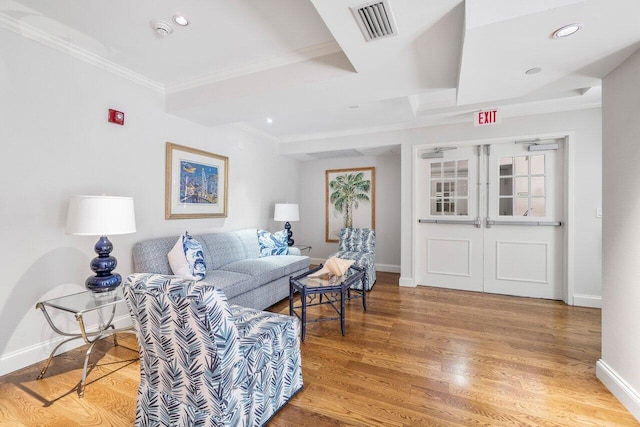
<point x="273" y="244"/>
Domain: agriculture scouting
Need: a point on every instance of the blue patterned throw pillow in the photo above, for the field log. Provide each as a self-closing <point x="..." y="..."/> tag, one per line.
<point x="273" y="244"/>
<point x="195" y="256"/>
<point x="187" y="258"/>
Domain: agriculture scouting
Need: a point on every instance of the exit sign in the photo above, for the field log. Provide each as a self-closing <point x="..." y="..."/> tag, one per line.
<point x="486" y="117"/>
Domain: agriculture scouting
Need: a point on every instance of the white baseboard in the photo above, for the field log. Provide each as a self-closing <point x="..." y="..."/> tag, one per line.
<point x="629" y="398"/>
<point x="593" y="301"/>
<point x="406" y="282"/>
<point x="388" y="268"/>
<point x="40" y="352"/>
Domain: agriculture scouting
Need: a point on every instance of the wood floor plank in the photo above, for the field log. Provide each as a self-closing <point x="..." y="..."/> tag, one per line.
<point x="417" y="357"/>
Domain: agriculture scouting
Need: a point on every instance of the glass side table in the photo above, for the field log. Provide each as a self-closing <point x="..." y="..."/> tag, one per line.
<point x="303" y="248"/>
<point x="80" y="304"/>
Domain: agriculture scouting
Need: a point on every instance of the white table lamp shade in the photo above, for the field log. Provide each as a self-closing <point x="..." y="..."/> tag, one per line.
<point x="286" y="212"/>
<point x="100" y="216"/>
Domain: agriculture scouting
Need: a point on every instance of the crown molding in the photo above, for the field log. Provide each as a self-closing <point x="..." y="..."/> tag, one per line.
<point x="293" y="57"/>
<point x="49" y="40"/>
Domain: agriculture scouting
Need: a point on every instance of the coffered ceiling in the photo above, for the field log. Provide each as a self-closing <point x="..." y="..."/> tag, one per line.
<point x="307" y="66"/>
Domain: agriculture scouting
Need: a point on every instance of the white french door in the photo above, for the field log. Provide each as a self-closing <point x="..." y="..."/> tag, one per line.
<point x="490" y="218"/>
<point x="449" y="243"/>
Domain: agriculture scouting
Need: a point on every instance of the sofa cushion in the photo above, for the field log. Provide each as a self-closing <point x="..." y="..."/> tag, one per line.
<point x="289" y="263"/>
<point x="273" y="244"/>
<point x="228" y="281"/>
<point x="263" y="271"/>
<point x="250" y="242"/>
<point x="221" y="249"/>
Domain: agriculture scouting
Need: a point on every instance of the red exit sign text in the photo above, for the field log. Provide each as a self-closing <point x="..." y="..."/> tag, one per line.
<point x="487" y="117"/>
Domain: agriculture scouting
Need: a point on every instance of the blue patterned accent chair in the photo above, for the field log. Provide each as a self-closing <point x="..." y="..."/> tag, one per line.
<point x="204" y="362"/>
<point x="359" y="244"/>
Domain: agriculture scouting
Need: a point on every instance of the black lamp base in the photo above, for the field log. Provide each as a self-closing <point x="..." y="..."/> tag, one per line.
<point x="287" y="227"/>
<point x="103" y="265"/>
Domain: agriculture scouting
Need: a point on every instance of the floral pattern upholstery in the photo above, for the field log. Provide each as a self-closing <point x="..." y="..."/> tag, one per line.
<point x="273" y="244"/>
<point x="204" y="362"/>
<point x="359" y="244"/>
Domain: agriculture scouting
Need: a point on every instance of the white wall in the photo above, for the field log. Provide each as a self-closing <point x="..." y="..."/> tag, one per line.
<point x="585" y="128"/>
<point x="310" y="230"/>
<point x="619" y="368"/>
<point x="56" y="142"/>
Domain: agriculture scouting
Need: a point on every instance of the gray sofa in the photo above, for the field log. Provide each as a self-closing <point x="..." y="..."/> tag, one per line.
<point x="233" y="263"/>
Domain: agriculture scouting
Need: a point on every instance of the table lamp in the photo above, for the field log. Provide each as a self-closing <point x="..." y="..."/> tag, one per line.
<point x="287" y="212"/>
<point x="99" y="216"/>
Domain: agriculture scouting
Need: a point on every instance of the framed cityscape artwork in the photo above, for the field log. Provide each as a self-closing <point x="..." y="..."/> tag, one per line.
<point x="196" y="183"/>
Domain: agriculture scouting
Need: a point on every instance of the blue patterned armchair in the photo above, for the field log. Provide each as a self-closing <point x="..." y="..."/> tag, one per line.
<point x="359" y="244"/>
<point x="204" y="362"/>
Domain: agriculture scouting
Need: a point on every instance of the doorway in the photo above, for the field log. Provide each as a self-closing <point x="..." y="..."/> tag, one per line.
<point x="490" y="217"/>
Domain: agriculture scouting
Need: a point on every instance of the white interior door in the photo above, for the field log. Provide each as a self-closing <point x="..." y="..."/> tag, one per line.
<point x="449" y="244"/>
<point x="489" y="219"/>
<point x="522" y="236"/>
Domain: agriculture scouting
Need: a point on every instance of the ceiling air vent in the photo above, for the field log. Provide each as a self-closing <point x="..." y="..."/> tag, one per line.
<point x="375" y="19"/>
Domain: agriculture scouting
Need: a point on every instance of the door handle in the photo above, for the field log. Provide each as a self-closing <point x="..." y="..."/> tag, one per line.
<point x="491" y="222"/>
<point x="477" y="222"/>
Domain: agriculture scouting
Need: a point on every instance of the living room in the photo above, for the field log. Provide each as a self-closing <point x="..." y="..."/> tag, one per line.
<point x="58" y="143"/>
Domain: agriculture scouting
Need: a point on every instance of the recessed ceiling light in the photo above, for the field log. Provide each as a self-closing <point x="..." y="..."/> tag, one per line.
<point x="269" y="120"/>
<point x="534" y="70"/>
<point x="180" y="20"/>
<point x="566" y="31"/>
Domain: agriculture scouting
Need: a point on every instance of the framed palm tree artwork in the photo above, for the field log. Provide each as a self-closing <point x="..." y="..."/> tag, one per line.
<point x="350" y="198"/>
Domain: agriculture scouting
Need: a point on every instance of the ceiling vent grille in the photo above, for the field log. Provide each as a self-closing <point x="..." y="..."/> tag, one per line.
<point x="375" y="20"/>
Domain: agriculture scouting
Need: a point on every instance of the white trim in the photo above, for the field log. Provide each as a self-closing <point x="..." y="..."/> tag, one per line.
<point x="629" y="398"/>
<point x="40" y="352"/>
<point x="25" y="30"/>
<point x="592" y="301"/>
<point x="569" y="214"/>
<point x="406" y="282"/>
<point x="28" y="31"/>
<point x="299" y="55"/>
<point x="388" y="268"/>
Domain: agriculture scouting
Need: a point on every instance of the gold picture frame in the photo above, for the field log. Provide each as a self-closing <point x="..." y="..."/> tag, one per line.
<point x="350" y="200"/>
<point x="196" y="183"/>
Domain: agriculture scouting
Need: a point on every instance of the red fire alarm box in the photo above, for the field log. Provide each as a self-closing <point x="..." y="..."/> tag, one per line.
<point x="116" y="117"/>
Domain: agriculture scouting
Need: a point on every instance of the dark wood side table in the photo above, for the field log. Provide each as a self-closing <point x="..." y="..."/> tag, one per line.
<point x="80" y="304"/>
<point x="334" y="291"/>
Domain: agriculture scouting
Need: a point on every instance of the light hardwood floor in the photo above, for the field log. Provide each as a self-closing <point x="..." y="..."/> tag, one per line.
<point x="418" y="356"/>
